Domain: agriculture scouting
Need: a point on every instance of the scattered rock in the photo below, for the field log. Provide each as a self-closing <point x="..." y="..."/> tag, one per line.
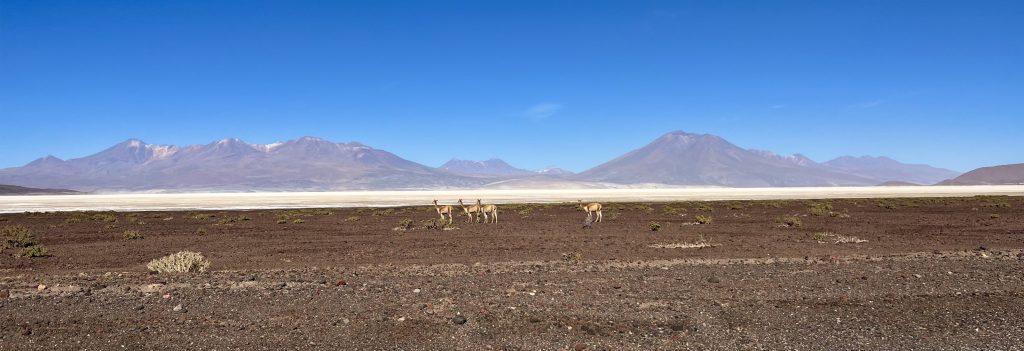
<point x="5" y="294"/>
<point x="40" y="288"/>
<point x="250" y="278"/>
<point x="180" y="308"/>
<point x="140" y="307"/>
<point x="340" y="282"/>
<point x="322" y="281"/>
<point x="917" y="276"/>
<point x="416" y="290"/>
<point x="459" y="319"/>
<point x="714" y="280"/>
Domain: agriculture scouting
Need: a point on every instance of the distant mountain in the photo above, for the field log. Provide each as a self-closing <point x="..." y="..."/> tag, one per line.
<point x="493" y="166"/>
<point x="1004" y="174"/>
<point x="555" y="172"/>
<point x="303" y="164"/>
<point x="20" y="190"/>
<point x="703" y="159"/>
<point x="885" y="169"/>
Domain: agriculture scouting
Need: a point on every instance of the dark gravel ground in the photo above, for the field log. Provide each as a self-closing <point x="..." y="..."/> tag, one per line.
<point x="940" y="274"/>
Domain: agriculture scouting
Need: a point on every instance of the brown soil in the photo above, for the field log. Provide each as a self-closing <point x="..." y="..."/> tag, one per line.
<point x="934" y="273"/>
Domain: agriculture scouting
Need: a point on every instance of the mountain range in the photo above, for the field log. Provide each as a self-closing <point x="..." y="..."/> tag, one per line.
<point x="309" y="163"/>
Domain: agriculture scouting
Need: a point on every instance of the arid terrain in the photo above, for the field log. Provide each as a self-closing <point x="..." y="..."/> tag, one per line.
<point x="902" y="273"/>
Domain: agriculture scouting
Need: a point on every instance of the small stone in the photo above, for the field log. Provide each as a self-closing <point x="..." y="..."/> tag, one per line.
<point x="180" y="308"/>
<point x="5" y="294"/>
<point x="416" y="291"/>
<point x="714" y="280"/>
<point x="340" y="282"/>
<point x="401" y="319"/>
<point x="459" y="319"/>
<point x="167" y="296"/>
<point x="251" y="277"/>
<point x="40" y="288"/>
<point x="139" y="307"/>
<point x="917" y="276"/>
<point x="322" y="281"/>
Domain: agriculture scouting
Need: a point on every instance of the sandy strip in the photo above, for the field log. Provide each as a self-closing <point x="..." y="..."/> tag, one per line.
<point x="272" y="200"/>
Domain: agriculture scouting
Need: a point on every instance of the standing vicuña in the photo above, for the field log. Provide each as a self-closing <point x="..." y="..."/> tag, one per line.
<point x="488" y="209"/>
<point x="444" y="210"/>
<point x="471" y="212"/>
<point x="591" y="209"/>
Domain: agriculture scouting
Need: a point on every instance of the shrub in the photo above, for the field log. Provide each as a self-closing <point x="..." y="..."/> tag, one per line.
<point x="73" y="220"/>
<point x="525" y="212"/>
<point x="200" y="231"/>
<point x="993" y="216"/>
<point x="299" y="220"/>
<point x="34" y="251"/>
<point x="180" y="262"/>
<point x="655" y="226"/>
<point x="282" y="221"/>
<point x="789" y="221"/>
<point x="352" y="219"/>
<point x="384" y="212"/>
<point x="819" y="209"/>
<point x="702" y="219"/>
<point x="132" y="235"/>
<point x="705" y="208"/>
<point x="104" y="217"/>
<point x="16" y="236"/>
<point x="404" y="224"/>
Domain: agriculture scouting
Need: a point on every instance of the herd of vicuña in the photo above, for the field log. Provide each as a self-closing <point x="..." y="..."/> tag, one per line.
<point x="489" y="212"/>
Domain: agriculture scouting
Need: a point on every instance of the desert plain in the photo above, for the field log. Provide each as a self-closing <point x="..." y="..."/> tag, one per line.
<point x="932" y="271"/>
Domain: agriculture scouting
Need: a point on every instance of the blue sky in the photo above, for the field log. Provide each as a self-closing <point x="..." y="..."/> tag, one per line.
<point x="571" y="84"/>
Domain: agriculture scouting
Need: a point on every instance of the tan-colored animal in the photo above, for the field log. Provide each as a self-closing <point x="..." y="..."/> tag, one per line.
<point x="592" y="209"/>
<point x="488" y="210"/>
<point x="472" y="212"/>
<point x="444" y="210"/>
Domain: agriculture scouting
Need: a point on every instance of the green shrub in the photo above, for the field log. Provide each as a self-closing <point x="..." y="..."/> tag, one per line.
<point x="180" y="262"/>
<point x="655" y="226"/>
<point x="104" y="217"/>
<point x="132" y="235"/>
<point x="16" y="237"/>
<point x="34" y="250"/>
<point x="702" y="219"/>
<point x="352" y="219"/>
<point x="819" y="208"/>
<point x="705" y="208"/>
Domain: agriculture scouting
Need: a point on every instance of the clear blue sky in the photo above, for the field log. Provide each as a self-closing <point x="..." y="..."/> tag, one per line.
<point x="571" y="84"/>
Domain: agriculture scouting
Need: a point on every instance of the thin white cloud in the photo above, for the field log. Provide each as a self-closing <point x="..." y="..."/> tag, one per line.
<point x="542" y="111"/>
<point x="778" y="106"/>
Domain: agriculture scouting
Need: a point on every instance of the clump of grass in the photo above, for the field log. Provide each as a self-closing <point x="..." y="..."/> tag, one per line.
<point x="235" y="219"/>
<point x="200" y="231"/>
<point x="282" y="221"/>
<point x="384" y="212"/>
<point x="179" y="262"/>
<point x="299" y="220"/>
<point x="993" y="216"/>
<point x="736" y="205"/>
<point x="886" y="204"/>
<point x="352" y="219"/>
<point x="702" y="219"/>
<point x="655" y="226"/>
<point x="201" y="216"/>
<point x="404" y="225"/>
<point x="104" y="217"/>
<point x="789" y="221"/>
<point x="705" y="208"/>
<point x="17" y="237"/>
<point x="572" y="257"/>
<point x="73" y="219"/>
<point x="132" y="235"/>
<point x="819" y="209"/>
<point x="525" y="212"/>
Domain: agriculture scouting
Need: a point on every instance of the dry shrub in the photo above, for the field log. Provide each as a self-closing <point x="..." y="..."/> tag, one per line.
<point x="789" y="221"/>
<point x="17" y="237"/>
<point x="132" y="235"/>
<point x="702" y="219"/>
<point x="179" y="262"/>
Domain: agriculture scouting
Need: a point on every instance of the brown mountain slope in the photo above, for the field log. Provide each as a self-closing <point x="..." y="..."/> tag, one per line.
<point x="1003" y="174"/>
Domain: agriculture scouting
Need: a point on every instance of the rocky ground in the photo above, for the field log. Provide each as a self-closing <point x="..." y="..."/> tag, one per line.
<point x="939" y="273"/>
